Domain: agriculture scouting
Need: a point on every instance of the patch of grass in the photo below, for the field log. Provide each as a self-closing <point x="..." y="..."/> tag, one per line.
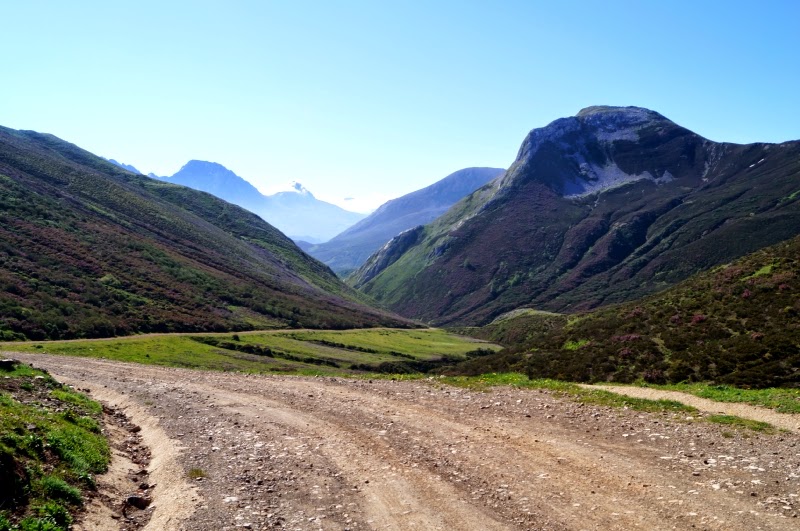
<point x="738" y="422"/>
<point x="57" y="489"/>
<point x="50" y="447"/>
<point x="783" y="400"/>
<point x="196" y="473"/>
<point x="71" y="397"/>
<point x="575" y="345"/>
<point x="763" y="271"/>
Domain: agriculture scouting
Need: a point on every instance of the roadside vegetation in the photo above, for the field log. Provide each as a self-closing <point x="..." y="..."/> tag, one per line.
<point x="599" y="397"/>
<point x="736" y="325"/>
<point x="782" y="400"/>
<point x="333" y="352"/>
<point x="51" y="448"/>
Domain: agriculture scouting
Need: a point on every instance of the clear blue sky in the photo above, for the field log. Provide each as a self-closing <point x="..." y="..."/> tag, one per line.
<point x="374" y="99"/>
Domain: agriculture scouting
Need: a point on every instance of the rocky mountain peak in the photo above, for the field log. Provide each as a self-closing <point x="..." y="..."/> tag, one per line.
<point x="597" y="149"/>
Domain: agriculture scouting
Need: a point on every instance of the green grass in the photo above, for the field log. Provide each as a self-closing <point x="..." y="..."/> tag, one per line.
<point x="575" y="345"/>
<point x="783" y="400"/>
<point x="196" y="473"/>
<point x="51" y="447"/>
<point x="738" y="422"/>
<point x="295" y="351"/>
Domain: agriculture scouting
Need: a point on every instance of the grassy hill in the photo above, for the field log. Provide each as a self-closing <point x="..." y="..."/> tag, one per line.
<point x="90" y="250"/>
<point x="737" y="324"/>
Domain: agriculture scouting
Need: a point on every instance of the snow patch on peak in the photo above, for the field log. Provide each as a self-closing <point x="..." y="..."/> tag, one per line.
<point x="292" y="187"/>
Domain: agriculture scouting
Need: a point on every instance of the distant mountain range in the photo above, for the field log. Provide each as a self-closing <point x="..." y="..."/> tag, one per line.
<point x="89" y="250"/>
<point x="607" y="206"/>
<point x="124" y="166"/>
<point x="351" y="248"/>
<point x="296" y="212"/>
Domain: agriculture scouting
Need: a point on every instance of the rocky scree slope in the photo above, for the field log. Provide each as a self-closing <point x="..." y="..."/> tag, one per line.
<point x="348" y="250"/>
<point x="88" y="250"/>
<point x="610" y="205"/>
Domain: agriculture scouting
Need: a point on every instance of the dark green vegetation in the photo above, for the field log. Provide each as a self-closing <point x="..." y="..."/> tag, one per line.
<point x="51" y="447"/>
<point x="88" y="249"/>
<point x="611" y="205"/>
<point x="295" y="352"/>
<point x="737" y="324"/>
<point x="351" y="248"/>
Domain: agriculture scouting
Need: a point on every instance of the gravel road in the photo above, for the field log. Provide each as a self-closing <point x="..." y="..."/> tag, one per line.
<point x="333" y="453"/>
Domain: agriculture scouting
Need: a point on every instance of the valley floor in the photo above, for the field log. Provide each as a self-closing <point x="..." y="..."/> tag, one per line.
<point x="334" y="453"/>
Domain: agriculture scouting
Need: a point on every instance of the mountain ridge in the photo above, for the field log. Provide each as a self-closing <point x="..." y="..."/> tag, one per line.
<point x="594" y="210"/>
<point x="352" y="247"/>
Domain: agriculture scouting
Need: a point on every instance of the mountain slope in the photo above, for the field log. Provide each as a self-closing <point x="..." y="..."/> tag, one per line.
<point x="736" y="324"/>
<point x="296" y="213"/>
<point x="352" y="247"/>
<point x="88" y="249"/>
<point x="609" y="205"/>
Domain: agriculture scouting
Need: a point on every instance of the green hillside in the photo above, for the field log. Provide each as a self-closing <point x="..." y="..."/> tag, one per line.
<point x="90" y="250"/>
<point x="737" y="324"/>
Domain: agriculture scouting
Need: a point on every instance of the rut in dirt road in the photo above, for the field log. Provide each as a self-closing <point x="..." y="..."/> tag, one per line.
<point x="334" y="453"/>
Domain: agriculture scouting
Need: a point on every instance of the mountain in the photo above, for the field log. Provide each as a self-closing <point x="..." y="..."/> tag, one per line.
<point x="304" y="217"/>
<point x="351" y="248"/>
<point x="735" y="324"/>
<point x="295" y="212"/>
<point x="88" y="249"/>
<point x="124" y="166"/>
<point x="218" y="180"/>
<point x="610" y="205"/>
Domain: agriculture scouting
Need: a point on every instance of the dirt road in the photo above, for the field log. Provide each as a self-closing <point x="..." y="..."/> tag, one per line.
<point x="332" y="453"/>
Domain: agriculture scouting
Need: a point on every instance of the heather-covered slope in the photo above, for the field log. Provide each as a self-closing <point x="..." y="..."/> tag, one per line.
<point x="610" y="205"/>
<point x="88" y="249"/>
<point x="351" y="248"/>
<point x="738" y="323"/>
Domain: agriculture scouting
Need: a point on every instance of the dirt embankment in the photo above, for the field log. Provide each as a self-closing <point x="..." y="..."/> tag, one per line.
<point x="331" y="453"/>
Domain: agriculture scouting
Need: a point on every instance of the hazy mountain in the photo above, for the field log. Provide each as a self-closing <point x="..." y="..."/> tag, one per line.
<point x="352" y="247"/>
<point x="88" y="249"/>
<point x="296" y="212"/>
<point x="218" y="180"/>
<point x="607" y="206"/>
<point x="124" y="166"/>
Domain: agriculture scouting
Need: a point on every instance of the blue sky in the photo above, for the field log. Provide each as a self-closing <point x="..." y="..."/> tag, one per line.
<point x="375" y="99"/>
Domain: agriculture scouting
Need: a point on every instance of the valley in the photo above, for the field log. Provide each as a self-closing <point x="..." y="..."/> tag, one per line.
<point x="335" y="453"/>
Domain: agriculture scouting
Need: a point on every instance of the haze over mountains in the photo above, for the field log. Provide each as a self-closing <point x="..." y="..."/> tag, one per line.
<point x="352" y="247"/>
<point x="606" y="206"/>
<point x="296" y="212"/>
<point x="88" y="250"/>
